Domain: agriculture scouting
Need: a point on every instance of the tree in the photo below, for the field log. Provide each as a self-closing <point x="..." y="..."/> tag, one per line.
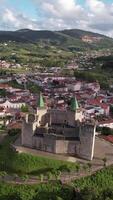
<point x="41" y="178"/>
<point x="88" y="194"/>
<point x="58" y="198"/>
<point x="13" y="196"/>
<point x="49" y="175"/>
<point x="15" y="176"/>
<point x="3" y="174"/>
<point x="107" y="194"/>
<point x="104" y="161"/>
<point x="13" y="132"/>
<point x="58" y="174"/>
<point x="64" y="168"/>
<point x="111" y="109"/>
<point x="77" y="168"/>
<point x="25" y="177"/>
<point x="24" y="108"/>
<point x="106" y="131"/>
<point x="89" y="166"/>
<point x="85" y="167"/>
<point x="3" y="92"/>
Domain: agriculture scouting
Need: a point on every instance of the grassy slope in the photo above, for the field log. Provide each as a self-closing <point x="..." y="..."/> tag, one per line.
<point x="24" y="163"/>
<point x="100" y="182"/>
<point x="41" y="192"/>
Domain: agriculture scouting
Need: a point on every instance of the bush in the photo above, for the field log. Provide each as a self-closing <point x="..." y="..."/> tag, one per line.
<point x="24" y="108"/>
<point x="91" y="77"/>
<point x="107" y="131"/>
<point x="13" y="132"/>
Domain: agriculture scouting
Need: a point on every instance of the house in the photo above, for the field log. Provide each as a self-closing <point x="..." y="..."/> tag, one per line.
<point x="97" y="102"/>
<point x="15" y="105"/>
<point x="72" y="66"/>
<point x="106" y="123"/>
<point x="74" y="86"/>
<point x="95" y="86"/>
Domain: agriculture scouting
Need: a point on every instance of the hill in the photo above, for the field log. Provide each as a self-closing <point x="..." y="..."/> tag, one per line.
<point x="73" y="39"/>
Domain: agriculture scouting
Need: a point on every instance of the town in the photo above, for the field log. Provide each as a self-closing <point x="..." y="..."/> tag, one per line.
<point x="20" y="95"/>
<point x="56" y="100"/>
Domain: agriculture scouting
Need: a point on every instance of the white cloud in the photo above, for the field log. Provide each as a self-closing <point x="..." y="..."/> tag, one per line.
<point x="96" y="6"/>
<point x="101" y="16"/>
<point x="61" y="14"/>
<point x="11" y="21"/>
<point x="65" y="9"/>
<point x="95" y="15"/>
<point x="9" y="17"/>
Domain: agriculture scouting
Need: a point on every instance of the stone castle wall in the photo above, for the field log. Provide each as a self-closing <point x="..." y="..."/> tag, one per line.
<point x="87" y="140"/>
<point x="27" y="134"/>
<point x="51" y="144"/>
<point x="48" y="141"/>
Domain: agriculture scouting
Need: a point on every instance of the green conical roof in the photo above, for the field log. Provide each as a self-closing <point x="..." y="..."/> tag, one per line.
<point x="41" y="101"/>
<point x="74" y="104"/>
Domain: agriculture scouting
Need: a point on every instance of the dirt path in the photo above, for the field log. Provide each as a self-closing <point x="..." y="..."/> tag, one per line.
<point x="64" y="178"/>
<point x="102" y="149"/>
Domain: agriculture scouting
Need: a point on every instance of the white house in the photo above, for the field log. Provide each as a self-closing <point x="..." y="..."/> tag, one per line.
<point x="107" y="123"/>
<point x="8" y="104"/>
<point x="74" y="86"/>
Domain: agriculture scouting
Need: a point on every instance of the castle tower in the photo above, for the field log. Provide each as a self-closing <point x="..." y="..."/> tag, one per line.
<point x="87" y="140"/>
<point x="28" y="130"/>
<point x="75" y="112"/>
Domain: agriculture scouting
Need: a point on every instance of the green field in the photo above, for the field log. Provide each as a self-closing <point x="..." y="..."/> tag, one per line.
<point x="12" y="162"/>
<point x="51" y="191"/>
<point x="100" y="181"/>
<point x="95" y="187"/>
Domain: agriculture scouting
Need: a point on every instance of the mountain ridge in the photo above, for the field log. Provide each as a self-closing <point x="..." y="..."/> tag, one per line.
<point x="66" y="38"/>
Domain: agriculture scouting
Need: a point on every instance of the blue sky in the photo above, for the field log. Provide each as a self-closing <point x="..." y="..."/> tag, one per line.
<point x="24" y="6"/>
<point x="93" y="15"/>
<point x="29" y="8"/>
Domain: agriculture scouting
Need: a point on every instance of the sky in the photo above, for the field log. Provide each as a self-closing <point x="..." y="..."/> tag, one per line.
<point x="91" y="15"/>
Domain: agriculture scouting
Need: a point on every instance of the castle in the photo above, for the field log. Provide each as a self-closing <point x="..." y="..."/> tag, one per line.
<point x="59" y="132"/>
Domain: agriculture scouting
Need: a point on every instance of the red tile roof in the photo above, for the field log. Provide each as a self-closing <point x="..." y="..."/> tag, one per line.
<point x="97" y="102"/>
<point x="108" y="121"/>
<point x="109" y="138"/>
<point x="4" y="86"/>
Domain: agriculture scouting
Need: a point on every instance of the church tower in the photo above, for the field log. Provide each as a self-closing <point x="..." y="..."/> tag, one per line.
<point x="32" y="121"/>
<point x="75" y="112"/>
<point x="74" y="104"/>
<point x="75" y="108"/>
<point x="41" y="111"/>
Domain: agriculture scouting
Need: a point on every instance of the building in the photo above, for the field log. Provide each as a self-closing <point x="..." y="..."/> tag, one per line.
<point x="106" y="123"/>
<point x="76" y="86"/>
<point x="8" y="104"/>
<point x="59" y="132"/>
